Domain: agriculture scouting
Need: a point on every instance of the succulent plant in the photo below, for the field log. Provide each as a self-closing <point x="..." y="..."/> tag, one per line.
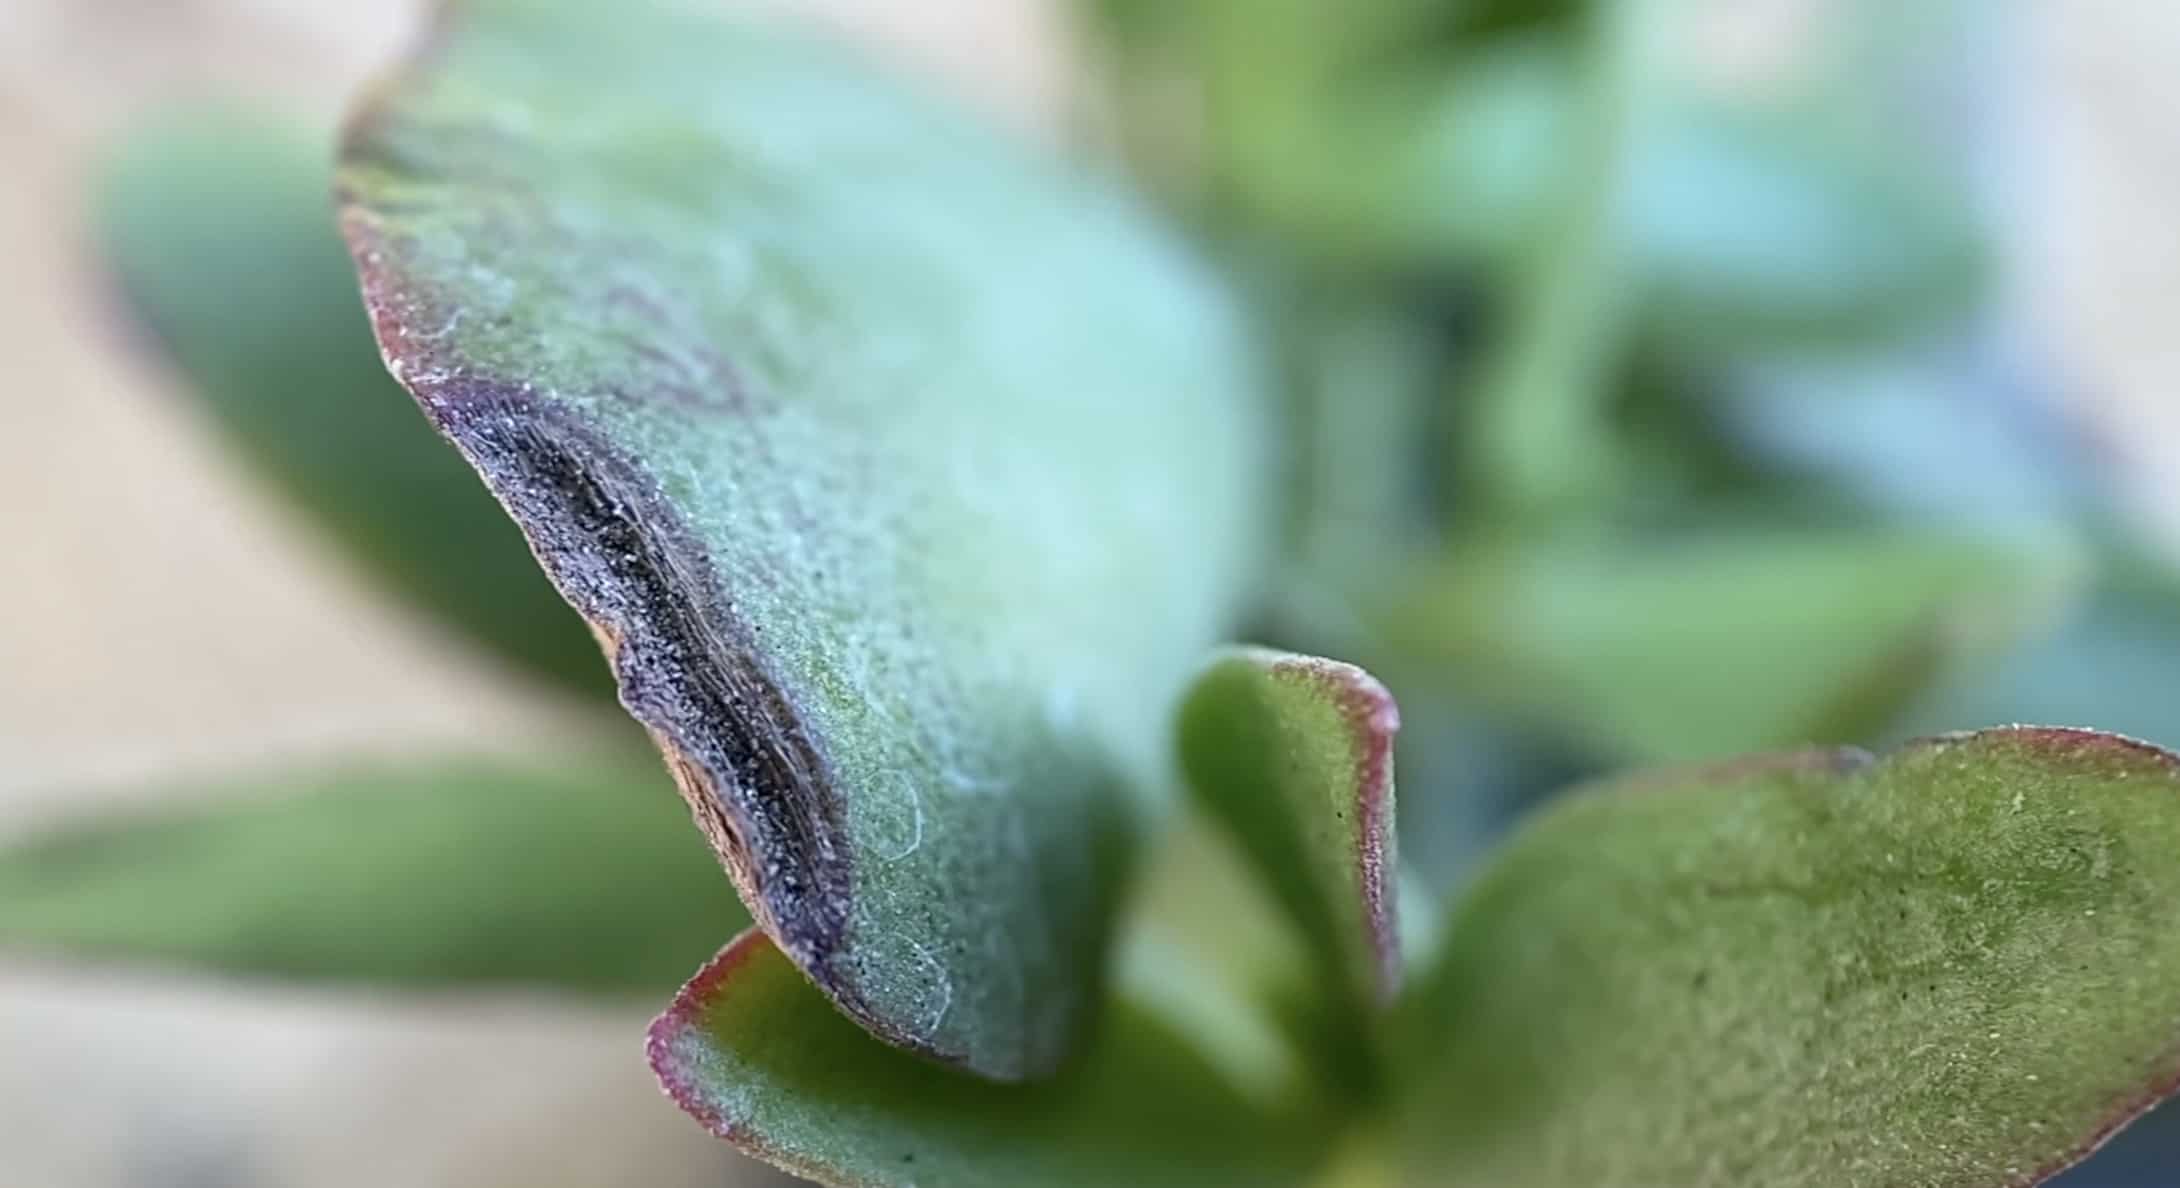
<point x="913" y="482"/>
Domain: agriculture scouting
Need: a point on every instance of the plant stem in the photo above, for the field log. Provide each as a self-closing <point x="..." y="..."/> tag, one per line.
<point x="1538" y="438"/>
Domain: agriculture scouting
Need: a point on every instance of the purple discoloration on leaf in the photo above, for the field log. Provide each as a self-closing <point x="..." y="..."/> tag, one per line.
<point x="667" y="1032"/>
<point x="754" y="780"/>
<point x="1373" y="720"/>
<point x="762" y="1061"/>
<point x="734" y="740"/>
<point x="737" y="331"/>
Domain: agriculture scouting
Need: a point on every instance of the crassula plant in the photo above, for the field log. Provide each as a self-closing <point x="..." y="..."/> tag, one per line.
<point x="912" y="483"/>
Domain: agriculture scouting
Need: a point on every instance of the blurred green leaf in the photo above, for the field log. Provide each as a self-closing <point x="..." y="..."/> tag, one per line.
<point x="1744" y="231"/>
<point x="758" y="1056"/>
<point x="904" y="566"/>
<point x="1957" y="965"/>
<point x="217" y="224"/>
<point x="1365" y="390"/>
<point x="1371" y="137"/>
<point x="1752" y="232"/>
<point x="2115" y="661"/>
<point x="583" y="875"/>
<point x="1452" y="160"/>
<point x="1293" y="756"/>
<point x="1965" y="430"/>
<point x="1206" y="950"/>
<point x="1536" y="432"/>
<point x="1719" y="643"/>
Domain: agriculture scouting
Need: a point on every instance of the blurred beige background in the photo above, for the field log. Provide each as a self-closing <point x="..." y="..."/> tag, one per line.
<point x="160" y="619"/>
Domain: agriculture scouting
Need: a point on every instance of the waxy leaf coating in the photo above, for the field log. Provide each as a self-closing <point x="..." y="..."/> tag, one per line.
<point x="1294" y="756"/>
<point x="765" y="1062"/>
<point x="1955" y="966"/>
<point x="417" y="873"/>
<point x="903" y="472"/>
<point x="217" y="226"/>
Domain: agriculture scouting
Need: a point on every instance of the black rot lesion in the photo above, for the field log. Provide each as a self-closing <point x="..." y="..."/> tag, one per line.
<point x="757" y="782"/>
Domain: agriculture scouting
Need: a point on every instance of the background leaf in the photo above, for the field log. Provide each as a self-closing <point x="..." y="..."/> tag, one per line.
<point x="1751" y="231"/>
<point x="2115" y="662"/>
<point x="1959" y="965"/>
<point x="905" y="472"/>
<point x="757" y="1055"/>
<point x="1408" y="136"/>
<point x="1206" y="949"/>
<point x="1724" y="642"/>
<point x="217" y="224"/>
<point x="583" y="875"/>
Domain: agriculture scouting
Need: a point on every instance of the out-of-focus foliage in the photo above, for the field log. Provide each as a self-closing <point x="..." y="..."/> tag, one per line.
<point x="214" y="222"/>
<point x="417" y="874"/>
<point x="1642" y="410"/>
<point x="1689" y="647"/>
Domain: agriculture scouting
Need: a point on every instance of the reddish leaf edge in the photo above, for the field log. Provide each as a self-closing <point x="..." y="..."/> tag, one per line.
<point x="681" y="1015"/>
<point x="1372" y="717"/>
<point x="1368" y="699"/>
<point x="2069" y="740"/>
<point x="756" y="780"/>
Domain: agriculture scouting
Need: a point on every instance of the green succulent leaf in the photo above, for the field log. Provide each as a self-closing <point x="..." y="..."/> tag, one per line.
<point x="1958" y="965"/>
<point x="905" y="472"/>
<point x="217" y="226"/>
<point x="1293" y="755"/>
<point x="1724" y="643"/>
<point x="586" y="875"/>
<point x="764" y="1061"/>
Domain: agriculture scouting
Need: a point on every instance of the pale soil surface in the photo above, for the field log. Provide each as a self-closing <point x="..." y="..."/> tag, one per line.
<point x="160" y="617"/>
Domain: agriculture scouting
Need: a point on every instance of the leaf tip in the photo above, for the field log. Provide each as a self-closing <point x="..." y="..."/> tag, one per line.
<point x="670" y="1041"/>
<point x="1371" y="719"/>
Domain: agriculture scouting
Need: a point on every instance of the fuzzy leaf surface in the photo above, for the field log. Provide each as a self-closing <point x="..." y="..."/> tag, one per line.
<point x="903" y="470"/>
<point x="1955" y="966"/>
